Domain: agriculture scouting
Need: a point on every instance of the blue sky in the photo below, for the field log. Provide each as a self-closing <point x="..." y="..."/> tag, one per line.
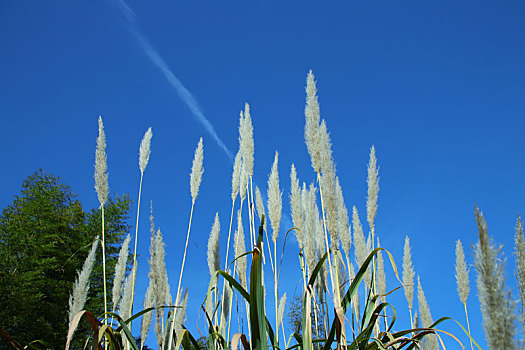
<point x="437" y="87"/>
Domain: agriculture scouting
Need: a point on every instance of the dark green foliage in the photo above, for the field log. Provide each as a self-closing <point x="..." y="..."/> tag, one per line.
<point x="45" y="235"/>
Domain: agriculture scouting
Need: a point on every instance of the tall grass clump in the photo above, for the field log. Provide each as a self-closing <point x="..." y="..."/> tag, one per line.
<point x="102" y="188"/>
<point x="343" y="296"/>
<point x="494" y="298"/>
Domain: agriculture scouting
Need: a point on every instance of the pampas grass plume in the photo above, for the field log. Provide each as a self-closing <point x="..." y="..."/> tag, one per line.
<point x="145" y="150"/>
<point x="78" y="298"/>
<point x="120" y="272"/>
<point x="311" y="129"/>
<point x="196" y="171"/>
<point x="343" y="222"/>
<point x="148" y="316"/>
<point x="275" y="199"/>
<point x="497" y="309"/>
<point x="213" y="246"/>
<point x="259" y="204"/>
<point x="101" y="166"/>
<point x="408" y="273"/>
<point x="240" y="249"/>
<point x="462" y="278"/>
<point x="236" y="175"/>
<point x="430" y="342"/>
<point x="247" y="145"/>
<point x="373" y="188"/>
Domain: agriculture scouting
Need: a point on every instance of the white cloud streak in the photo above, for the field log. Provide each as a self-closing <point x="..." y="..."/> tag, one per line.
<point x="157" y="60"/>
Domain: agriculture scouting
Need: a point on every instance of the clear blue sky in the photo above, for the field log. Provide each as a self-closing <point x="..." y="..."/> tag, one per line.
<point x="437" y="87"/>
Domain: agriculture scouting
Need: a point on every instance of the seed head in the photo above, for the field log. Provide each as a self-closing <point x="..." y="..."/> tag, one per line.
<point x="101" y="166"/>
<point x="247" y="146"/>
<point x="342" y="216"/>
<point x="275" y="199"/>
<point x="196" y="171"/>
<point x="462" y="278"/>
<point x="381" y="277"/>
<point x="236" y="175"/>
<point x="295" y="205"/>
<point x="213" y="246"/>
<point x="373" y="188"/>
<point x="362" y="249"/>
<point x="78" y="298"/>
<point x="145" y="150"/>
<point x="120" y="272"/>
<point x="408" y="273"/>
<point x="260" y="205"/>
<point x="312" y="116"/>
<point x="240" y="249"/>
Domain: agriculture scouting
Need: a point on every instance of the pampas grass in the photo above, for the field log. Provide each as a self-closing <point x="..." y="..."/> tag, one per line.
<point x="430" y="342"/>
<point x="144" y="153"/>
<point x="78" y="298"/>
<point x="320" y="223"/>
<point x="497" y="308"/>
<point x="408" y="277"/>
<point x="102" y="188"/>
<point x="120" y="272"/>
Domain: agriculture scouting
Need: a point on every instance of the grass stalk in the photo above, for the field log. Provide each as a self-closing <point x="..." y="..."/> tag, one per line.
<point x="177" y="298"/>
<point x="275" y="283"/>
<point x="135" y="250"/>
<point x="468" y="326"/>
<point x="334" y="289"/>
<point x="104" y="268"/>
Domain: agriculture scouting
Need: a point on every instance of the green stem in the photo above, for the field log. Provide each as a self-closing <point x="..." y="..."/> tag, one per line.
<point x="172" y="327"/>
<point x="134" y="276"/>
<point x="104" y="269"/>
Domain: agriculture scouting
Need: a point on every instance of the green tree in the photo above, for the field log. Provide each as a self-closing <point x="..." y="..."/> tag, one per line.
<point x="45" y="236"/>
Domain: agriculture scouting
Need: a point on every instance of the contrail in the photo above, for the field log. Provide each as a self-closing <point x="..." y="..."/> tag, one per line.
<point x="155" y="58"/>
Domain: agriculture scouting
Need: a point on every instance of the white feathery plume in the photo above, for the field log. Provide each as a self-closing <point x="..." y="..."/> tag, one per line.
<point x="78" y="297"/>
<point x="280" y="310"/>
<point x="196" y="171"/>
<point x="295" y="205"/>
<point x="328" y="183"/>
<point x="213" y="246"/>
<point x="519" y="253"/>
<point x="408" y="273"/>
<point x="341" y="274"/>
<point x="497" y="308"/>
<point x="101" y="166"/>
<point x="246" y="140"/>
<point x="162" y="288"/>
<point x="311" y="128"/>
<point x="381" y="277"/>
<point x="309" y="228"/>
<point x="120" y="272"/>
<point x="180" y="313"/>
<point x="260" y="205"/>
<point x="240" y="249"/>
<point x="462" y="278"/>
<point x="236" y="176"/>
<point x="373" y="188"/>
<point x="327" y="163"/>
<point x="226" y="304"/>
<point x="275" y="199"/>
<point x="430" y="341"/>
<point x="243" y="181"/>
<point x="355" y="298"/>
<point x="145" y="150"/>
<point x="342" y="215"/>
<point x="361" y="247"/>
<point x="159" y="276"/>
<point x="148" y="316"/>
<point x="125" y="303"/>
